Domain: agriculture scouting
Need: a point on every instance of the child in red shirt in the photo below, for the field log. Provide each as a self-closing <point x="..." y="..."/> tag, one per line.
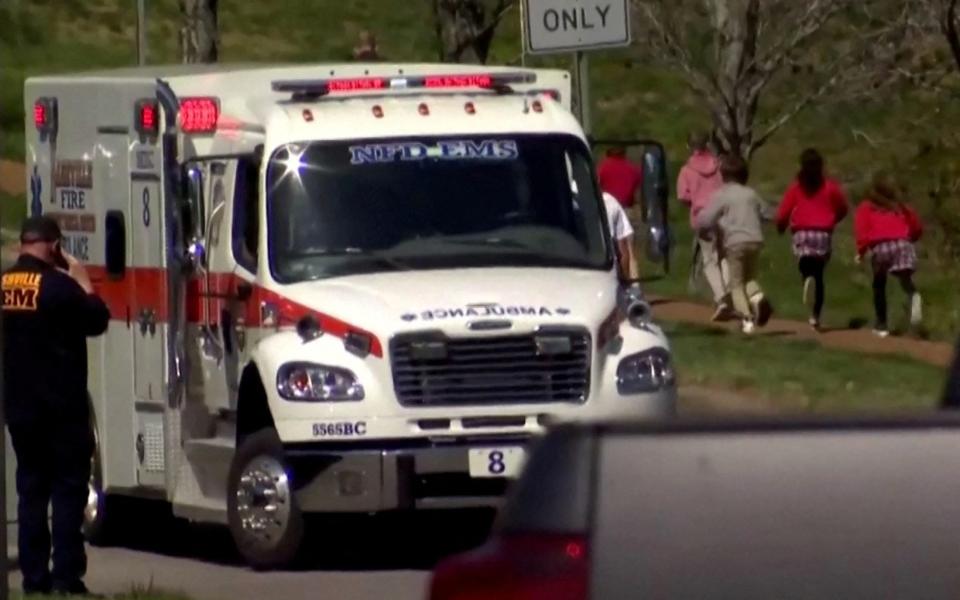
<point x="887" y="228"/>
<point x="811" y="207"/>
<point x="619" y="177"/>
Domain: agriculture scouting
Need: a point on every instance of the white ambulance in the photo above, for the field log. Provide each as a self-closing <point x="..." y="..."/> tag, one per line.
<point x="335" y="288"/>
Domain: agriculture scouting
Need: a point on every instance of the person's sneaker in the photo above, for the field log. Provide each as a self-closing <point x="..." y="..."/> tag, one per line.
<point x="808" y="284"/>
<point x="881" y="332"/>
<point x="748" y="327"/>
<point x="814" y="323"/>
<point x="724" y="312"/>
<point x="762" y="308"/>
<point x="916" y="309"/>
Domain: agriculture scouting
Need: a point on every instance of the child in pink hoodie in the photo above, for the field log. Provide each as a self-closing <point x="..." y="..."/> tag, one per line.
<point x="699" y="179"/>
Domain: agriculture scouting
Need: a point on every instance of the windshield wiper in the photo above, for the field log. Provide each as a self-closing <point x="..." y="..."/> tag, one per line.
<point x="492" y="241"/>
<point x="362" y="254"/>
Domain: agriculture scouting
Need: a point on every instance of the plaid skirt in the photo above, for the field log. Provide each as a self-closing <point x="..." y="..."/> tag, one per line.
<point x="809" y="242"/>
<point x="893" y="256"/>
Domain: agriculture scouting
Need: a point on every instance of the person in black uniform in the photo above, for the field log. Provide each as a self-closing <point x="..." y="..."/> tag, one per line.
<point x="49" y="309"/>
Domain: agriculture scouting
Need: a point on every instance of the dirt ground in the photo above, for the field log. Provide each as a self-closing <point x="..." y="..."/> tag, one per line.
<point x="855" y="340"/>
<point x="12" y="178"/>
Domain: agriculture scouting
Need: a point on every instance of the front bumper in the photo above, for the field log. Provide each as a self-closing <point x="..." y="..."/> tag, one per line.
<point x="404" y="475"/>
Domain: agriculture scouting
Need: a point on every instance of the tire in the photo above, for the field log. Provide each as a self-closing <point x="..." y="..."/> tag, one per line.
<point x="98" y="522"/>
<point x="264" y="519"/>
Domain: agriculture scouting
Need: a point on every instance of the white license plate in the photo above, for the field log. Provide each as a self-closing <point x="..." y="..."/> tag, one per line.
<point x="497" y="462"/>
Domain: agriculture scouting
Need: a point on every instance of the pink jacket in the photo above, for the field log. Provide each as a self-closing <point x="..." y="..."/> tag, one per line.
<point x="698" y="181"/>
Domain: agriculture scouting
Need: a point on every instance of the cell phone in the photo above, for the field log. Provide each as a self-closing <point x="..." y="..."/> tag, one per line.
<point x="58" y="258"/>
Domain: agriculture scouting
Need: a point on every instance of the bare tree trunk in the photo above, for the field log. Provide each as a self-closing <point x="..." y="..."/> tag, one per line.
<point x="199" y="36"/>
<point x="465" y="28"/>
<point x="948" y="25"/>
<point x="735" y="23"/>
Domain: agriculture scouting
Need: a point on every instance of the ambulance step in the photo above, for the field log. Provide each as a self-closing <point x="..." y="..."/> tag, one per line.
<point x="207" y="450"/>
<point x="202" y="480"/>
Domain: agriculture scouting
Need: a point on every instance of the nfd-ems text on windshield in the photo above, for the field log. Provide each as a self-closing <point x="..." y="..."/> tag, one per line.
<point x="442" y="150"/>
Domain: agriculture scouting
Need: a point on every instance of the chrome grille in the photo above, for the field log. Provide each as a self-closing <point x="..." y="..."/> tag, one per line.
<point x="430" y="369"/>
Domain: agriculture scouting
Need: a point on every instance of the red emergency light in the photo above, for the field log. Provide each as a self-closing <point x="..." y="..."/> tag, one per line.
<point x="45" y="115"/>
<point x="39" y="115"/>
<point x="360" y="84"/>
<point x="199" y="115"/>
<point x="458" y="81"/>
<point x="147" y="117"/>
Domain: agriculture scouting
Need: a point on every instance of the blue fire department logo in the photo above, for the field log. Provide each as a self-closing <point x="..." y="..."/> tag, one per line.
<point x="36" y="188"/>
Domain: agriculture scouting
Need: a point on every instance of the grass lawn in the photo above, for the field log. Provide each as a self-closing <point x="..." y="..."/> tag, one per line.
<point x="13" y="209"/>
<point x="802" y="375"/>
<point x="911" y="129"/>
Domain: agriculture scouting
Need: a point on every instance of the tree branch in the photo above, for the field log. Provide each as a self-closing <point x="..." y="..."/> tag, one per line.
<point x="677" y="54"/>
<point x="809" y="24"/>
<point x="791" y="112"/>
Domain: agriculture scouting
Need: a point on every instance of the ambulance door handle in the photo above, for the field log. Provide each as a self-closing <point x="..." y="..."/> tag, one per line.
<point x="147" y="320"/>
<point x="213" y="236"/>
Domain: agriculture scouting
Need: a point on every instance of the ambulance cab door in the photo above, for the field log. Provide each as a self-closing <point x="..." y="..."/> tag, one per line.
<point x="210" y="185"/>
<point x="240" y="314"/>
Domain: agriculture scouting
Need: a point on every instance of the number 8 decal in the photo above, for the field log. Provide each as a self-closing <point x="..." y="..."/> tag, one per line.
<point x="497" y="466"/>
<point x="146" y="207"/>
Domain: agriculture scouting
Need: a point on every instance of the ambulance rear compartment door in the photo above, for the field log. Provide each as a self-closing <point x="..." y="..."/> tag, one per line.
<point x="149" y="282"/>
<point x="148" y="324"/>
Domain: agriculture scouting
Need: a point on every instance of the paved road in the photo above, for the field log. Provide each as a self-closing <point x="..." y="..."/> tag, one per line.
<point x="116" y="571"/>
<point x="357" y="558"/>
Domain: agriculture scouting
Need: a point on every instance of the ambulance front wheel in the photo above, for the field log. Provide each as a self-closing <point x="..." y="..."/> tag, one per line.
<point x="264" y="518"/>
<point x="96" y="527"/>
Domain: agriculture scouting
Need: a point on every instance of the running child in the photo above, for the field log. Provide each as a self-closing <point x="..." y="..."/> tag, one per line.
<point x="812" y="207"/>
<point x="737" y="211"/>
<point x="886" y="228"/>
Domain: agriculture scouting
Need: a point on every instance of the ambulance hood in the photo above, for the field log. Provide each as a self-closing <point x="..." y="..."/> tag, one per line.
<point x="389" y="303"/>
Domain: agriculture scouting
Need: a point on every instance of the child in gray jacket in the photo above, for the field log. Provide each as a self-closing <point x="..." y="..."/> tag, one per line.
<point x="736" y="212"/>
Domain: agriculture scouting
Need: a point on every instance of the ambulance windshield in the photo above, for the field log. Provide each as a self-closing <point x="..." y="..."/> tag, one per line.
<point x="353" y="207"/>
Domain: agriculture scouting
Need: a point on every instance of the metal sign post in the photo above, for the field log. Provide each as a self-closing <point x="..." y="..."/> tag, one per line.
<point x="583" y="91"/>
<point x="561" y="26"/>
<point x="141" y="33"/>
<point x="523" y="35"/>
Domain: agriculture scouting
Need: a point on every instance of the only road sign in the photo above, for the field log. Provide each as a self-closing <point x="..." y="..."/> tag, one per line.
<point x="572" y="25"/>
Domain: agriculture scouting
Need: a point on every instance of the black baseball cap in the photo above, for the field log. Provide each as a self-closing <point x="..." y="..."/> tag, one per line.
<point x="39" y="229"/>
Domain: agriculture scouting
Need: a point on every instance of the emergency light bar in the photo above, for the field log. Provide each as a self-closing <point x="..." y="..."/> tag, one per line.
<point x="323" y="87"/>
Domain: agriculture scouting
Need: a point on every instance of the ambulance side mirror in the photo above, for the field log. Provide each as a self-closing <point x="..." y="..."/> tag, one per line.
<point x="656" y="212"/>
<point x="116" y="244"/>
<point x="656" y="184"/>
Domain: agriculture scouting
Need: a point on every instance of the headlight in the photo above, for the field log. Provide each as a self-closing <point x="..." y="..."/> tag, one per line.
<point x="645" y="372"/>
<point x="309" y="382"/>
